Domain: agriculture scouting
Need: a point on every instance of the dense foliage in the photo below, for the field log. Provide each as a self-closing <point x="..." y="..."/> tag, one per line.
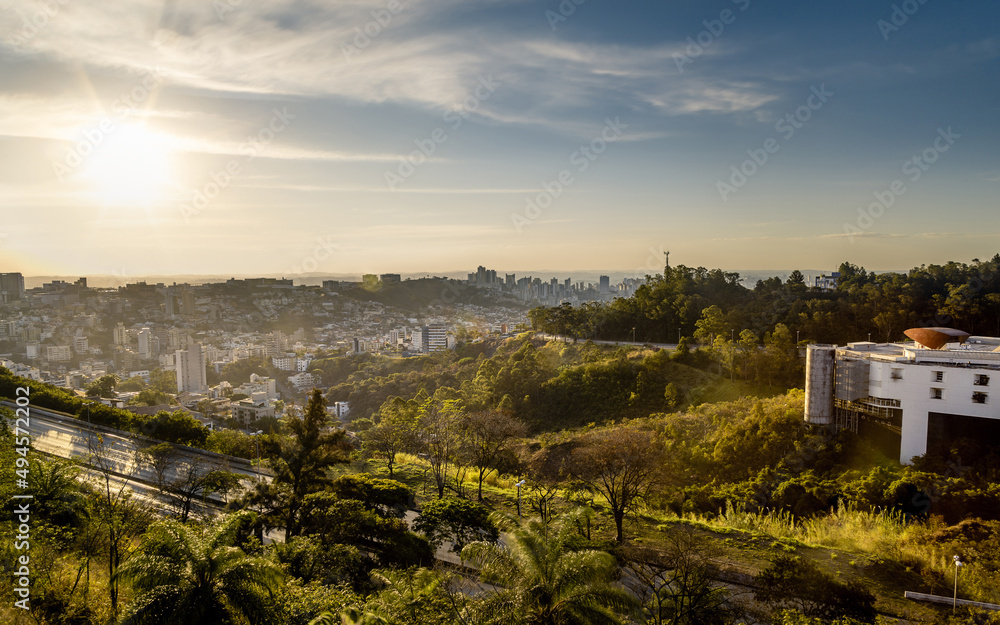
<point x="965" y="296"/>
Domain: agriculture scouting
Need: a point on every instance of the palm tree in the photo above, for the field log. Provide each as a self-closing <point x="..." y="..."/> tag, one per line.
<point x="541" y="581"/>
<point x="182" y="575"/>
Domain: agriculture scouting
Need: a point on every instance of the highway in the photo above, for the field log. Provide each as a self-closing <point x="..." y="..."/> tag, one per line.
<point x="99" y="448"/>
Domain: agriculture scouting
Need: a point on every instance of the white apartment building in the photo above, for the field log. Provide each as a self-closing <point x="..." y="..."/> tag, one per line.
<point x="339" y="409"/>
<point x="302" y="381"/>
<point x="256" y="407"/>
<point x="944" y="386"/>
<point x="191" y="374"/>
<point x="58" y="353"/>
<point x="81" y="344"/>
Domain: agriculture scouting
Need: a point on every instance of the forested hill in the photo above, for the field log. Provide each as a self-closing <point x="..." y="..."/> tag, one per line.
<point x="965" y="296"/>
<point x="416" y="295"/>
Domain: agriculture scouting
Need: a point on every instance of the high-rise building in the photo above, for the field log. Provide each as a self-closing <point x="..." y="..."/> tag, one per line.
<point x="169" y="302"/>
<point x="275" y="344"/>
<point x="435" y="338"/>
<point x="418" y="340"/>
<point x="145" y="337"/>
<point x="120" y="334"/>
<point x="187" y="303"/>
<point x="58" y="353"/>
<point x="191" y="374"/>
<point x="177" y="339"/>
<point x="605" y="285"/>
<point x="11" y="287"/>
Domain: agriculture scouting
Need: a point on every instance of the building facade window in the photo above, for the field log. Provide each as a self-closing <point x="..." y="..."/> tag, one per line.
<point x="979" y="398"/>
<point x="981" y="380"/>
<point x="937" y="393"/>
<point x="939" y="376"/>
<point x="896" y="374"/>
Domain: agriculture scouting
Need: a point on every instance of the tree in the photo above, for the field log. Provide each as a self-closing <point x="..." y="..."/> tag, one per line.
<point x="676" y="584"/>
<point x="440" y="438"/>
<point x="712" y="324"/>
<point x="800" y="584"/>
<point x="538" y="579"/>
<point x="619" y="464"/>
<point x="151" y="397"/>
<point x="182" y="575"/>
<point x="163" y="381"/>
<point x="396" y="430"/>
<point x="120" y="516"/>
<point x="488" y="435"/>
<point x="135" y="383"/>
<point x="459" y="521"/>
<point x="175" y="427"/>
<point x="195" y="481"/>
<point x="346" y="522"/>
<point x="303" y="459"/>
<point x="671" y="397"/>
<point x="388" y="498"/>
<point x="103" y="386"/>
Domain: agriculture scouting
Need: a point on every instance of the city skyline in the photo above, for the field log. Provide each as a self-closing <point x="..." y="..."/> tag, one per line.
<point x="297" y="139"/>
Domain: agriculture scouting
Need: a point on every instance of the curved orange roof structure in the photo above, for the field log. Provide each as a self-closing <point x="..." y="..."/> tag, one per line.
<point x="936" y="338"/>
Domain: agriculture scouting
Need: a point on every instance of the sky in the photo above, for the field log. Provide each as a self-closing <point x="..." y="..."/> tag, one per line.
<point x="300" y="137"/>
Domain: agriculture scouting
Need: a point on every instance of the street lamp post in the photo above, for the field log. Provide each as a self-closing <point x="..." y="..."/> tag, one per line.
<point x="633" y="335"/>
<point x="954" y="601"/>
<point x="256" y="441"/>
<point x="519" y="485"/>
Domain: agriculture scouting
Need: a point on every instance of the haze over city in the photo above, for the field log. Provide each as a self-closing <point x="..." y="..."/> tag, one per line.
<point x="182" y="137"/>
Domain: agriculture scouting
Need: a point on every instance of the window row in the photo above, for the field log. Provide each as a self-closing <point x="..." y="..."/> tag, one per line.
<point x="978" y="397"/>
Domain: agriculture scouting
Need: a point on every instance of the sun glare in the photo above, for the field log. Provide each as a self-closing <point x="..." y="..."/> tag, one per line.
<point x="130" y="168"/>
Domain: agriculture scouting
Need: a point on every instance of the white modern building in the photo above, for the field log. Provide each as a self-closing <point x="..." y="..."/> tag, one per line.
<point x="191" y="374"/>
<point x="58" y="353"/>
<point x="943" y="386"/>
<point x="437" y="337"/>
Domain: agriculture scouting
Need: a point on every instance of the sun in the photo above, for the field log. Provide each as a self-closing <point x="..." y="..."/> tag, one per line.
<point x="130" y="168"/>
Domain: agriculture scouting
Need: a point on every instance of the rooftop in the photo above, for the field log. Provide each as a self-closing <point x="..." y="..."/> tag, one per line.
<point x="979" y="351"/>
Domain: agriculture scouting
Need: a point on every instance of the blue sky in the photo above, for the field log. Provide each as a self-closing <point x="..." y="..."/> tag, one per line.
<point x="175" y="136"/>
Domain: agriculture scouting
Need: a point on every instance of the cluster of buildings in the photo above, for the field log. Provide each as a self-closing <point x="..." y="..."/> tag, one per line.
<point x="553" y="291"/>
<point x="436" y="337"/>
<point x="69" y="334"/>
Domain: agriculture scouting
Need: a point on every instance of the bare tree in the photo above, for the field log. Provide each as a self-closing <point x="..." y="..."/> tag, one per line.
<point x="620" y="465"/>
<point x="488" y="435"/>
<point x="678" y="583"/>
<point x="440" y="440"/>
<point x="118" y="512"/>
